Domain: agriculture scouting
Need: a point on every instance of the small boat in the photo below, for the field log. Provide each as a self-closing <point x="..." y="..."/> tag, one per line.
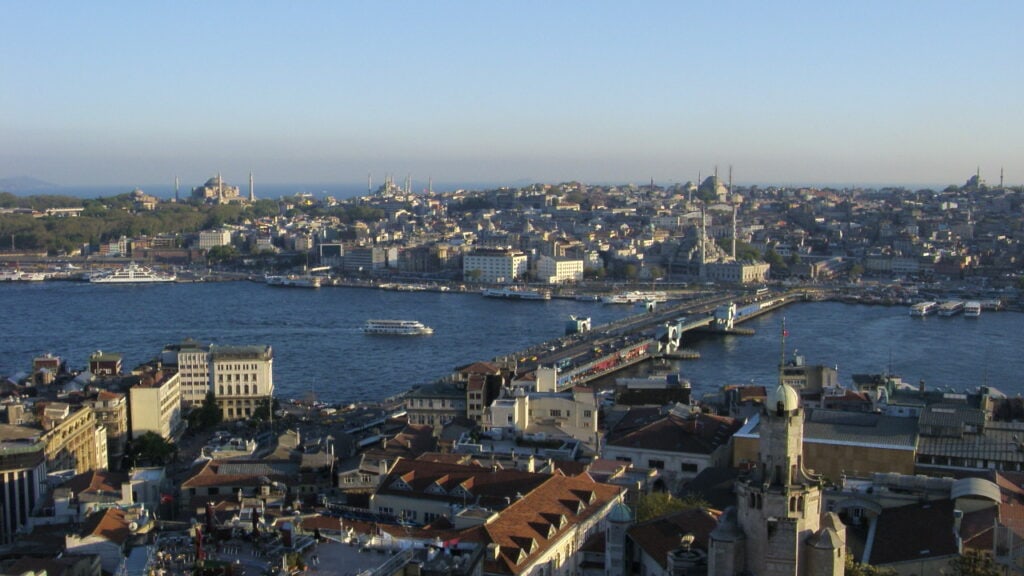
<point x="511" y="293"/>
<point x="972" y="309"/>
<point x="131" y="274"/>
<point x="396" y="328"/>
<point x="951" y="308"/>
<point x="922" y="309"/>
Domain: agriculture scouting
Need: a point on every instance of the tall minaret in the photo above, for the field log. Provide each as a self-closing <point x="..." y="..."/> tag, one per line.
<point x="430" y="185"/>
<point x="252" y="190"/>
<point x="1000" y="176"/>
<point x="369" y="183"/>
<point x="733" y="215"/>
<point x="176" y="185"/>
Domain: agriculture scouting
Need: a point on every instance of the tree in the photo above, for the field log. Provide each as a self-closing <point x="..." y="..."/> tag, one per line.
<point x="661" y="503"/>
<point x="856" y="271"/>
<point x="206" y="416"/>
<point x="858" y="569"/>
<point x="151" y="449"/>
<point x="974" y="563"/>
<point x="218" y="254"/>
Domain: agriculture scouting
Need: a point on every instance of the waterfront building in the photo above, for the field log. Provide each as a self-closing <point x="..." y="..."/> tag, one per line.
<point x="494" y="265"/>
<point x="779" y="525"/>
<point x="105" y="364"/>
<point x="436" y="404"/>
<point x="242" y="378"/>
<point x="22" y="472"/>
<point x="111" y="410"/>
<point x="679" y="443"/>
<point x="74" y="438"/>
<point x="212" y="238"/>
<point x="737" y="272"/>
<point x="191" y="359"/>
<point x="154" y="404"/>
<point x="559" y="270"/>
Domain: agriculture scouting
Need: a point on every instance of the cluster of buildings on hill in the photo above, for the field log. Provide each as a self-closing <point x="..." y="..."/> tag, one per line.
<point x="494" y="472"/>
<point x="558" y="233"/>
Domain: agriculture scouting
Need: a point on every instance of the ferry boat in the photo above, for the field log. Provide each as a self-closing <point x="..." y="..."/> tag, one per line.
<point x="951" y="308"/>
<point x="396" y="328"/>
<point x="972" y="309"/>
<point x="634" y="297"/>
<point x="511" y="293"/>
<point x="15" y="275"/>
<point x="922" y="309"/>
<point x="293" y="281"/>
<point x="131" y="274"/>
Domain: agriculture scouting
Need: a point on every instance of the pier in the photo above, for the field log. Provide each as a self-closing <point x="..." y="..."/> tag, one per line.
<point x="580" y="358"/>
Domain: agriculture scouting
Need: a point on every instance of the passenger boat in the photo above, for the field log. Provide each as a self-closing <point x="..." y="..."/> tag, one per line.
<point x="131" y="274"/>
<point x="15" y="275"/>
<point x="972" y="309"/>
<point x="635" y="297"/>
<point x="511" y="293"/>
<point x="396" y="328"/>
<point x="922" y="309"/>
<point x="293" y="281"/>
<point x="951" y="308"/>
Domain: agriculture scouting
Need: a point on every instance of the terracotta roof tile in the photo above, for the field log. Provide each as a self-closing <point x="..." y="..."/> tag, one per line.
<point x="659" y="536"/>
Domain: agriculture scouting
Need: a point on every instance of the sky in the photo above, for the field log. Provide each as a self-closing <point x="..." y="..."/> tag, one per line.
<point x="871" y="93"/>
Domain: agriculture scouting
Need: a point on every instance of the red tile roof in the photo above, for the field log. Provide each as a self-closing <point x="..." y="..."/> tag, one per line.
<point x="659" y="536"/>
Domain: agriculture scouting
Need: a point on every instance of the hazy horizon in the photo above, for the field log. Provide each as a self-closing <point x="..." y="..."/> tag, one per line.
<point x="895" y="93"/>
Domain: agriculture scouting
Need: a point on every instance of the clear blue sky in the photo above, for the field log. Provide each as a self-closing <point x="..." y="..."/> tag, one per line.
<point x="817" y="92"/>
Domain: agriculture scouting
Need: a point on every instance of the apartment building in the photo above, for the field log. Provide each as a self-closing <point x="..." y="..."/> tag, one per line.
<point x="242" y="378"/>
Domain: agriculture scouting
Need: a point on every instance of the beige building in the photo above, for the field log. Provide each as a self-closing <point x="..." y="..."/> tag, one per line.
<point x="111" y="410"/>
<point x="559" y="270"/>
<point x="572" y="414"/>
<point x="734" y="272"/>
<point x="242" y="378"/>
<point x="211" y="238"/>
<point x="73" y="438"/>
<point x="494" y="266"/>
<point x="154" y="404"/>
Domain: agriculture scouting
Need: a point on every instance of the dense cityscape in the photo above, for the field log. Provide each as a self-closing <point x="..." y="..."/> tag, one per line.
<point x="519" y="464"/>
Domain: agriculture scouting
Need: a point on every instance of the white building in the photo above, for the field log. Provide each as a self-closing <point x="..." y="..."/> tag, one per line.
<point x="154" y="405"/>
<point x="559" y="270"/>
<point x="192" y="361"/>
<point x="494" y="265"/>
<point x="211" y="238"/>
<point x="571" y="414"/>
<point x="242" y="378"/>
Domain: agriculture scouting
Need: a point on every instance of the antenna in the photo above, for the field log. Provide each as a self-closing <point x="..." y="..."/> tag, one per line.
<point x="782" y="350"/>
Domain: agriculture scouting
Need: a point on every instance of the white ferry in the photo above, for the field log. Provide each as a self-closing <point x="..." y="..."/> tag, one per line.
<point x="396" y="328"/>
<point x="972" y="309"/>
<point x="951" y="308"/>
<point x="922" y="309"/>
<point x="635" y="297"/>
<point x="511" y="293"/>
<point x="15" y="275"/>
<point x="131" y="274"/>
<point x="293" y="281"/>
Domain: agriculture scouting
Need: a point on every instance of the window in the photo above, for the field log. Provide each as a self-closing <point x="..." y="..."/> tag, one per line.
<point x="586" y="413"/>
<point x="659" y="464"/>
<point x="688" y="467"/>
<point x="556" y="413"/>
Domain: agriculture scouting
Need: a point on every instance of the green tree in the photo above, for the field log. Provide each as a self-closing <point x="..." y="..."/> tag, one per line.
<point x="151" y="449"/>
<point x="219" y="254"/>
<point x="856" y="271"/>
<point x="660" y="503"/>
<point x="206" y="416"/>
<point x="974" y="563"/>
<point x="858" y="569"/>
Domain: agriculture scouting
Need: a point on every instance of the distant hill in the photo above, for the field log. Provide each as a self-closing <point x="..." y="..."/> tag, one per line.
<point x="24" y="184"/>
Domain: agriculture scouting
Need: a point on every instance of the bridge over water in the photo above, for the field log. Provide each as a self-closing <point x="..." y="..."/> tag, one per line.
<point x="579" y="358"/>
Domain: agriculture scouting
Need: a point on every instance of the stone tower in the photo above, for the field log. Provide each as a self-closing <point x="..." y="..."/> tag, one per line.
<point x="619" y="521"/>
<point x="777" y="528"/>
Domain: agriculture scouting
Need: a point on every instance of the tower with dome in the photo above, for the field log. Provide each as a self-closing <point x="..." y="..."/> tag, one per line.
<point x="778" y="526"/>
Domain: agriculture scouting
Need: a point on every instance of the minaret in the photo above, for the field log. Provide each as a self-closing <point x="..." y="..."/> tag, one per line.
<point x="430" y="185"/>
<point x="176" y="185"/>
<point x="252" y="190"/>
<point x="220" y="187"/>
<point x="733" y="215"/>
<point x="369" y="183"/>
<point x="1000" y="176"/>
